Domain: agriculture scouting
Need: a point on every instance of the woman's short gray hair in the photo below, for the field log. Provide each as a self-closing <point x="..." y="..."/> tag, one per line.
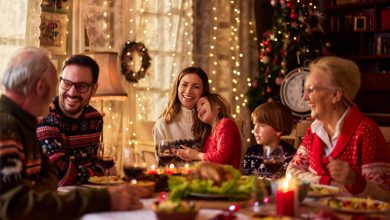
<point x="344" y="74"/>
<point x="24" y="69"/>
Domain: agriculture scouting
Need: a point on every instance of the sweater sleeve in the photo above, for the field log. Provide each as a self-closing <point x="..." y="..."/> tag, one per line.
<point x="299" y="165"/>
<point x="375" y="158"/>
<point x="225" y="133"/>
<point x="22" y="196"/>
<point x="50" y="137"/>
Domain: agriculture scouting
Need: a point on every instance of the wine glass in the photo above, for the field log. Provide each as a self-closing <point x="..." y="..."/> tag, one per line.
<point x="107" y="158"/>
<point x="133" y="166"/>
<point x="166" y="152"/>
<point x="273" y="159"/>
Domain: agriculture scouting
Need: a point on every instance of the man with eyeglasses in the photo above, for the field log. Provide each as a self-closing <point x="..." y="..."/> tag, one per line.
<point x="28" y="182"/>
<point x="70" y="133"/>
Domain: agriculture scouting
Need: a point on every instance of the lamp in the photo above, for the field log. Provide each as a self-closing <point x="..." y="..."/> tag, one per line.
<point x="109" y="85"/>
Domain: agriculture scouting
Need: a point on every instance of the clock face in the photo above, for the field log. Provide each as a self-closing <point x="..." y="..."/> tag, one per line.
<point x="292" y="90"/>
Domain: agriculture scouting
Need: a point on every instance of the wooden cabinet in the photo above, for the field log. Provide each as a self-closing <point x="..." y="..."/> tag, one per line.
<point x="360" y="30"/>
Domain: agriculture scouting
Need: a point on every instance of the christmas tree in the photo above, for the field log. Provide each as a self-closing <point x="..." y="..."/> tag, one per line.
<point x="296" y="37"/>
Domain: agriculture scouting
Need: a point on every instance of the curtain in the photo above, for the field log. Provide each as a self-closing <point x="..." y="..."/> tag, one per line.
<point x="19" y="27"/>
<point x="165" y="28"/>
<point x="225" y="46"/>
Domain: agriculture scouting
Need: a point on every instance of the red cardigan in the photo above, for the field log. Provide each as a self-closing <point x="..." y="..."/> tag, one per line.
<point x="361" y="143"/>
<point x="223" y="145"/>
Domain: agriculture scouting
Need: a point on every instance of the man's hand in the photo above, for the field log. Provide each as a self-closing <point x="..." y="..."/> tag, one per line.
<point x="340" y="171"/>
<point x="123" y="197"/>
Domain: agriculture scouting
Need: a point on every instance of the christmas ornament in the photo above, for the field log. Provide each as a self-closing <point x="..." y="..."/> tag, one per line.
<point x="279" y="80"/>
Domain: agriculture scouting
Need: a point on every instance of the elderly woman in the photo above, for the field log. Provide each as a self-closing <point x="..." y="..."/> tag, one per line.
<point x="342" y="147"/>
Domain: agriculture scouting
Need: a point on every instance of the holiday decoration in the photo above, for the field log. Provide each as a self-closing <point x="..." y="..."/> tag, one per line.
<point x="135" y="61"/>
<point x="296" y="38"/>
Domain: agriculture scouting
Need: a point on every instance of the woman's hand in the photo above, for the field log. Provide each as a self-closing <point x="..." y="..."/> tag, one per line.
<point x="340" y="171"/>
<point x="188" y="154"/>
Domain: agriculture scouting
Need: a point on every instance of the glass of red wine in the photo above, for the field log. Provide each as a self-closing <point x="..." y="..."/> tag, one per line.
<point x="273" y="159"/>
<point x="133" y="167"/>
<point x="107" y="158"/>
<point x="166" y="152"/>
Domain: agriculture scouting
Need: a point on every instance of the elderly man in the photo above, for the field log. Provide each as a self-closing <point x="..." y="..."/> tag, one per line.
<point x="27" y="179"/>
<point x="70" y="133"/>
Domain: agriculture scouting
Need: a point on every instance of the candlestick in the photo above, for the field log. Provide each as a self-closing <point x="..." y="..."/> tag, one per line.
<point x="186" y="169"/>
<point x="152" y="170"/>
<point x="170" y="169"/>
<point x="286" y="197"/>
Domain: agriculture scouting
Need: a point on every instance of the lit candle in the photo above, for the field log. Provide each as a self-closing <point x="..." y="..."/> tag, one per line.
<point x="286" y="198"/>
<point x="170" y="169"/>
<point x="186" y="169"/>
<point x="152" y="170"/>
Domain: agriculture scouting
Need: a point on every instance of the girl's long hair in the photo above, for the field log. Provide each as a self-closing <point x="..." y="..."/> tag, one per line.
<point x="219" y="106"/>
<point x="174" y="104"/>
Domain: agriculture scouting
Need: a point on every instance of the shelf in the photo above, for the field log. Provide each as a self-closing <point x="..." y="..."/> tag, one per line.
<point x="358" y="5"/>
<point x="369" y="57"/>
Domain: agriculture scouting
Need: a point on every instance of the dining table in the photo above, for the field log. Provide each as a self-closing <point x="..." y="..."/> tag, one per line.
<point x="309" y="208"/>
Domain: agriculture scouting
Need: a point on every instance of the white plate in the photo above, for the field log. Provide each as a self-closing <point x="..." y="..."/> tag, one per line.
<point x="318" y="190"/>
<point x="356" y="205"/>
<point x="207" y="196"/>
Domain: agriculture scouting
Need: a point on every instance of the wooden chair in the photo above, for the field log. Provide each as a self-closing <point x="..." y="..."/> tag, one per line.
<point x="300" y="131"/>
<point x="386" y="133"/>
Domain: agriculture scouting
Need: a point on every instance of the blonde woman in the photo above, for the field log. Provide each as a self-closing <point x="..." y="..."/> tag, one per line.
<point x="342" y="147"/>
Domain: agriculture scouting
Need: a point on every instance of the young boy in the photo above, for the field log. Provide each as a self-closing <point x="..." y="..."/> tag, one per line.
<point x="271" y="120"/>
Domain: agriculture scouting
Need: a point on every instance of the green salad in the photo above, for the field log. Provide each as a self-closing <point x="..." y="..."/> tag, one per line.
<point x="214" y="179"/>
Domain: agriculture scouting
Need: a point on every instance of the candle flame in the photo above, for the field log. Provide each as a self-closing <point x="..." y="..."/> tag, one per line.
<point x="153" y="167"/>
<point x="171" y="166"/>
<point x="186" y="165"/>
<point x="133" y="182"/>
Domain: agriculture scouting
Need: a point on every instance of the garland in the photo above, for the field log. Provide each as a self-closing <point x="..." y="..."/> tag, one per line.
<point x="128" y="61"/>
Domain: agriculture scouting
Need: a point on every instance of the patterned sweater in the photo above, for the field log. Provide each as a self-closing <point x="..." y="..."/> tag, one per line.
<point x="223" y="145"/>
<point x="178" y="132"/>
<point x="362" y="144"/>
<point x="27" y="179"/>
<point x="72" y="144"/>
<point x="253" y="160"/>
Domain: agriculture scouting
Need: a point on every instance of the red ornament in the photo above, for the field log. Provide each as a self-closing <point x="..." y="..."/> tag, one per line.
<point x="269" y="89"/>
<point x="279" y="80"/>
<point x="293" y="15"/>
<point x="268" y="49"/>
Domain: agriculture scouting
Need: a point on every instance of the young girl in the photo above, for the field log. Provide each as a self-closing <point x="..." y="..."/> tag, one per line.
<point x="271" y="121"/>
<point x="176" y="121"/>
<point x="222" y="142"/>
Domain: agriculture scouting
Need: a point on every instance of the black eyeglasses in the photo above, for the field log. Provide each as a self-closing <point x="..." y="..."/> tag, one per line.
<point x="81" y="87"/>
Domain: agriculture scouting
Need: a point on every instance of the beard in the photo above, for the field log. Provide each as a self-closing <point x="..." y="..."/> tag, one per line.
<point x="72" y="106"/>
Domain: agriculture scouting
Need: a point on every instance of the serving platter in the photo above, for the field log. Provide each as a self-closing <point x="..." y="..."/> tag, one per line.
<point x="104" y="180"/>
<point x="356" y="205"/>
<point x="319" y="190"/>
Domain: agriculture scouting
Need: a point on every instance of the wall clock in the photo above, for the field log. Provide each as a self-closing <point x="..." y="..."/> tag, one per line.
<point x="292" y="90"/>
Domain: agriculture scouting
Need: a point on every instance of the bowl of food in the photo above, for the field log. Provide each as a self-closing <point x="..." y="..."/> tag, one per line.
<point x="174" y="210"/>
<point x="147" y="187"/>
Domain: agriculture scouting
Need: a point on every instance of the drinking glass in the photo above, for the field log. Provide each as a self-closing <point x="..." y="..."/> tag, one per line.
<point x="166" y="152"/>
<point x="133" y="166"/>
<point x="107" y="158"/>
<point x="273" y="159"/>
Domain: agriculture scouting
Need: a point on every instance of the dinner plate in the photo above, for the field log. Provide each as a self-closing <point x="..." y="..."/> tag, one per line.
<point x="318" y="190"/>
<point x="207" y="196"/>
<point x="104" y="180"/>
<point x="356" y="205"/>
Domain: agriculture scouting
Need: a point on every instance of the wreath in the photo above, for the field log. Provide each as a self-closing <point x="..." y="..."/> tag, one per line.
<point x="135" y="61"/>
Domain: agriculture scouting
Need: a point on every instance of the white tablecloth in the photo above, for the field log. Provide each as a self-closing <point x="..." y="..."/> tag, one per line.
<point x="147" y="214"/>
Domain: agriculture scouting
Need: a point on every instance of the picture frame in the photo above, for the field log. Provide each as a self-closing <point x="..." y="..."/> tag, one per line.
<point x="360" y="23"/>
<point x="54" y="32"/>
